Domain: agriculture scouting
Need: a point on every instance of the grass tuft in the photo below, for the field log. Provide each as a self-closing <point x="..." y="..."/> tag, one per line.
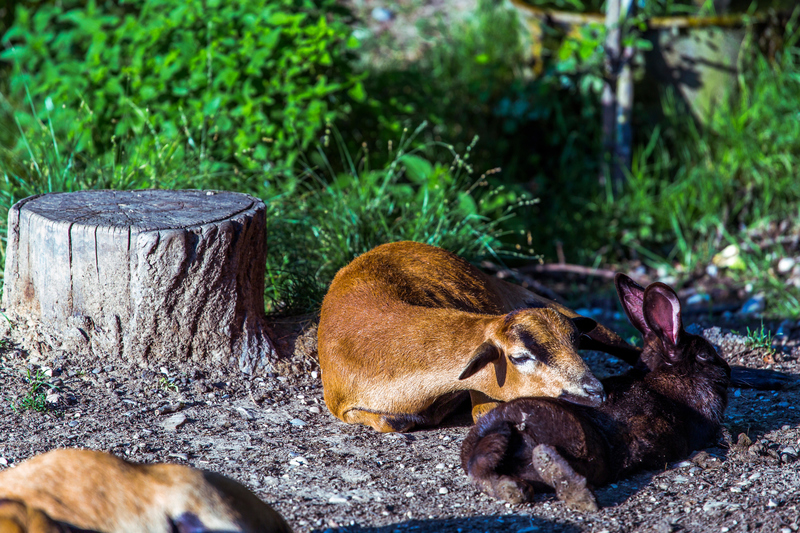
<point x="331" y="217"/>
<point x="36" y="397"/>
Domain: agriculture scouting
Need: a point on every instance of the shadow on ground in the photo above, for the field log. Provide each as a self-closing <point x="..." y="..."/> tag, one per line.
<point x="484" y="524"/>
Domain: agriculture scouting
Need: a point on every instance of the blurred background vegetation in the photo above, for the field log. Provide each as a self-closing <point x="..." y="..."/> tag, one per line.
<point x="361" y="123"/>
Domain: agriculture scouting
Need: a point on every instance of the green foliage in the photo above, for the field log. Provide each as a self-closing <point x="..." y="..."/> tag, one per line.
<point x="330" y="218"/>
<point x="689" y="187"/>
<point x="35" y="398"/>
<point x="167" y="384"/>
<point x="760" y="338"/>
<point x="45" y="165"/>
<point x="454" y="86"/>
<point x="251" y="82"/>
<point x="651" y="8"/>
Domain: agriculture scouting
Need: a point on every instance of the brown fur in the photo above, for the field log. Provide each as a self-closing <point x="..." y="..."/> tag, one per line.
<point x="16" y="517"/>
<point x="401" y="324"/>
<point x="96" y="491"/>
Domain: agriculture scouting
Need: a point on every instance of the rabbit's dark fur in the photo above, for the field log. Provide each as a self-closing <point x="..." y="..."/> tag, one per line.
<point x="670" y="404"/>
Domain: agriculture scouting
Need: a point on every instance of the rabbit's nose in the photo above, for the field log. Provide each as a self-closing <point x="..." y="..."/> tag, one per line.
<point x="594" y="389"/>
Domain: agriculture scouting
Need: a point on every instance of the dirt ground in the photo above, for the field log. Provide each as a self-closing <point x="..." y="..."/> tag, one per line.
<point x="276" y="436"/>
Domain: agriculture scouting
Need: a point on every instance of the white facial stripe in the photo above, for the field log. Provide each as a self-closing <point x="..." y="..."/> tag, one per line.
<point x="529" y="366"/>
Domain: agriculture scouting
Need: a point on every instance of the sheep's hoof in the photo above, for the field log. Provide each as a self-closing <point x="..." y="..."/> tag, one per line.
<point x="570" y="486"/>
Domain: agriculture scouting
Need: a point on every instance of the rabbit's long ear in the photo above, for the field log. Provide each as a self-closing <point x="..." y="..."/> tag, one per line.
<point x="631" y="296"/>
<point x="662" y="313"/>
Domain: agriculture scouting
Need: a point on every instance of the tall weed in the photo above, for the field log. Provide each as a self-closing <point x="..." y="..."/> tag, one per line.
<point x="330" y="217"/>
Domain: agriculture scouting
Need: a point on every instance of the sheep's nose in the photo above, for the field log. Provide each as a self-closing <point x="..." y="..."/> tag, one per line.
<point x="593" y="389"/>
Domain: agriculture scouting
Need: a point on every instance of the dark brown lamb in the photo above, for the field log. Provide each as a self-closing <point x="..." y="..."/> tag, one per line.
<point x="671" y="403"/>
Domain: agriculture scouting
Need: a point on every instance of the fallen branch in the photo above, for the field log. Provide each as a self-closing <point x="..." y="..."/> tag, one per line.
<point x="574" y="269"/>
<point x="527" y="281"/>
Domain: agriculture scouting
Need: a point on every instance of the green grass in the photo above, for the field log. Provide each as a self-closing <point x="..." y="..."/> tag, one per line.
<point x="335" y="207"/>
<point x="691" y="190"/>
<point x="167" y="385"/>
<point x="427" y="193"/>
<point x="760" y="338"/>
<point x="35" y="398"/>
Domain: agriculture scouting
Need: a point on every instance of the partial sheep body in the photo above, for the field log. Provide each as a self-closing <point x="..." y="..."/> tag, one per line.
<point x="671" y="404"/>
<point x="96" y="491"/>
<point x="407" y="329"/>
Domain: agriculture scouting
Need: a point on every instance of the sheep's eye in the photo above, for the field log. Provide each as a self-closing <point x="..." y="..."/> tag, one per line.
<point x="520" y="359"/>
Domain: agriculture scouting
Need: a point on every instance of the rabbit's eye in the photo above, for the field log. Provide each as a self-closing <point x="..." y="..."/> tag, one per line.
<point x="705" y="356"/>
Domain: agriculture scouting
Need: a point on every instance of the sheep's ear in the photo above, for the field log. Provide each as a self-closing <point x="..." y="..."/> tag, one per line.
<point x="485" y="353"/>
<point x="631" y="296"/>
<point x="662" y="313"/>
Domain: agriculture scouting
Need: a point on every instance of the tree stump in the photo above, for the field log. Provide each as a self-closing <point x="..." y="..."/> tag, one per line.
<point x="148" y="277"/>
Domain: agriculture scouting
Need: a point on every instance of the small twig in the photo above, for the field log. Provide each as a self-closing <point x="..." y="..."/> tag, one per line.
<point x="575" y="269"/>
<point x="531" y="283"/>
<point x="713" y="309"/>
<point x="788" y="239"/>
<point x="252" y="398"/>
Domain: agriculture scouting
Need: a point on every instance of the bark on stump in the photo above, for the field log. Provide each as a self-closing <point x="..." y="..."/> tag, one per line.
<point x="148" y="277"/>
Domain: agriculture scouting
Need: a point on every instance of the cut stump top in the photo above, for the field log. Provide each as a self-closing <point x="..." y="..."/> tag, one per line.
<point x="148" y="210"/>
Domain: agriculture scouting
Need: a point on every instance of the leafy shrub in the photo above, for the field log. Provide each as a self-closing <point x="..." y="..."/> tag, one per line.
<point x="245" y="81"/>
<point x="329" y="219"/>
<point x="689" y="186"/>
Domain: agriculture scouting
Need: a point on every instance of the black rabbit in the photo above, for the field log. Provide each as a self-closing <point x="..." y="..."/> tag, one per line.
<point x="671" y="403"/>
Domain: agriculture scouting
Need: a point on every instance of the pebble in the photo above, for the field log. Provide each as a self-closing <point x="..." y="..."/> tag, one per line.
<point x="409" y="494"/>
<point x="245" y="413"/>
<point x="314" y="374"/>
<point x="181" y="456"/>
<point x="665" y="526"/>
<point x="381" y="14"/>
<point x="174" y="422"/>
<point x="786" y="264"/>
<point x="52" y="398"/>
<point x="443" y="490"/>
<point x="297" y="422"/>
<point x="729" y="257"/>
<point x="97" y="370"/>
<point x="772" y="504"/>
<point x="754" y="305"/>
<point x="337" y="499"/>
<point x="697" y="299"/>
<point x="681" y="479"/>
<point x="169" y="408"/>
<point x="314" y="410"/>
<point x="298" y="461"/>
<point x="3" y="461"/>
<point x="354" y="475"/>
